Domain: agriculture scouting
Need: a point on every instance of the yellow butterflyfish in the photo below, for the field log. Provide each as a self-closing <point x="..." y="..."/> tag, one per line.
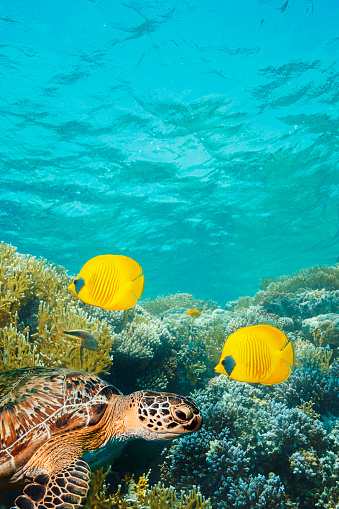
<point x="257" y="354"/>
<point x="109" y="282"/>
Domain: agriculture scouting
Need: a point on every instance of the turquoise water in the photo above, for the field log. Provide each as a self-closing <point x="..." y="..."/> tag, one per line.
<point x="200" y="138"/>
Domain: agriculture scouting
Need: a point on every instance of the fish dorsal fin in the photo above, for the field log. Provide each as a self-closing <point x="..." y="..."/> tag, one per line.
<point x="129" y="268"/>
<point x="274" y="337"/>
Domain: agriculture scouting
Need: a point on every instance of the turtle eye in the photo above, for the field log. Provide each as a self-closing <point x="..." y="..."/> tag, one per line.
<point x="182" y="413"/>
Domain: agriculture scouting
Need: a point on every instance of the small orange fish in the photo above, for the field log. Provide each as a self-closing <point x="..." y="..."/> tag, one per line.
<point x="257" y="354"/>
<point x="86" y="339"/>
<point x="194" y="313"/>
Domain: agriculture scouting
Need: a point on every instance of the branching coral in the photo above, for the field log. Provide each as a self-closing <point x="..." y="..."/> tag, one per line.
<point x="323" y="330"/>
<point x="310" y="356"/>
<point x="309" y="384"/>
<point x="314" y="278"/>
<point x="221" y="466"/>
<point x="36" y="301"/>
<point x="158" y="305"/>
<point x="16" y="349"/>
<point x="140" y="496"/>
<point x="140" y="340"/>
<point x="70" y="354"/>
<point x="252" y="316"/>
<point x="245" y="453"/>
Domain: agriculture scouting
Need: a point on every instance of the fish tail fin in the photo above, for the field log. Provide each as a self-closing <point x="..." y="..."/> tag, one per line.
<point x="288" y="354"/>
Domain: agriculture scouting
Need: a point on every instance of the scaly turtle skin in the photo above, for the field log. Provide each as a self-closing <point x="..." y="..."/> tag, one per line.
<point x="58" y="424"/>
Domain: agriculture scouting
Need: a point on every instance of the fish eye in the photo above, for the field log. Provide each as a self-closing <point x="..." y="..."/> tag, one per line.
<point x="183" y="413"/>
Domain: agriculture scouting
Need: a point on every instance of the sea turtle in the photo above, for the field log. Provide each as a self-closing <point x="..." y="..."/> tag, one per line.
<point x="56" y="425"/>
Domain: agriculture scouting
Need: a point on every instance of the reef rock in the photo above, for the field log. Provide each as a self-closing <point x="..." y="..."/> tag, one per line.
<point x="320" y="326"/>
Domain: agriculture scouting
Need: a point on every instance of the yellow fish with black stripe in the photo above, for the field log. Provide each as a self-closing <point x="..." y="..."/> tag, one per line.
<point x="109" y="282"/>
<point x="257" y="354"/>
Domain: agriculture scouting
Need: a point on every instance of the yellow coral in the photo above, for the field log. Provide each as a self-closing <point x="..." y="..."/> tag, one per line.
<point x="97" y="497"/>
<point x="69" y="353"/>
<point x="34" y="301"/>
<point x="156" y="497"/>
<point x="307" y="408"/>
<point x="141" y="487"/>
<point x="16" y="349"/>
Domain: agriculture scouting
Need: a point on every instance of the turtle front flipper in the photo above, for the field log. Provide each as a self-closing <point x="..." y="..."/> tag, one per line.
<point x="65" y="489"/>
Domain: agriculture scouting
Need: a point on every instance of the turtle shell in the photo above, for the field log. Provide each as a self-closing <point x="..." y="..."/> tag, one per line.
<point x="38" y="403"/>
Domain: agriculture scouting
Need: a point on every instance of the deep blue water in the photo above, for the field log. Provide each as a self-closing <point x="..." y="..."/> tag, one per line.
<point x="199" y="137"/>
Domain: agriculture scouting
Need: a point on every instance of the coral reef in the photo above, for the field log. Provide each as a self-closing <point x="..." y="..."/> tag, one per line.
<point x="158" y="305"/>
<point x="260" y="446"/>
<point x="132" y="495"/>
<point x="273" y="446"/>
<point x="315" y="278"/>
<point x="256" y="451"/>
<point x="34" y="302"/>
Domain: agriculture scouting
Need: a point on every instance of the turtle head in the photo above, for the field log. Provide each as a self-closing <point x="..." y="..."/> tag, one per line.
<point x="160" y="415"/>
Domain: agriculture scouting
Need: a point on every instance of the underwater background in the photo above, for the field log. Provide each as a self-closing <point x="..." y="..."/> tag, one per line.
<point x="198" y="138"/>
<point x="201" y="139"/>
